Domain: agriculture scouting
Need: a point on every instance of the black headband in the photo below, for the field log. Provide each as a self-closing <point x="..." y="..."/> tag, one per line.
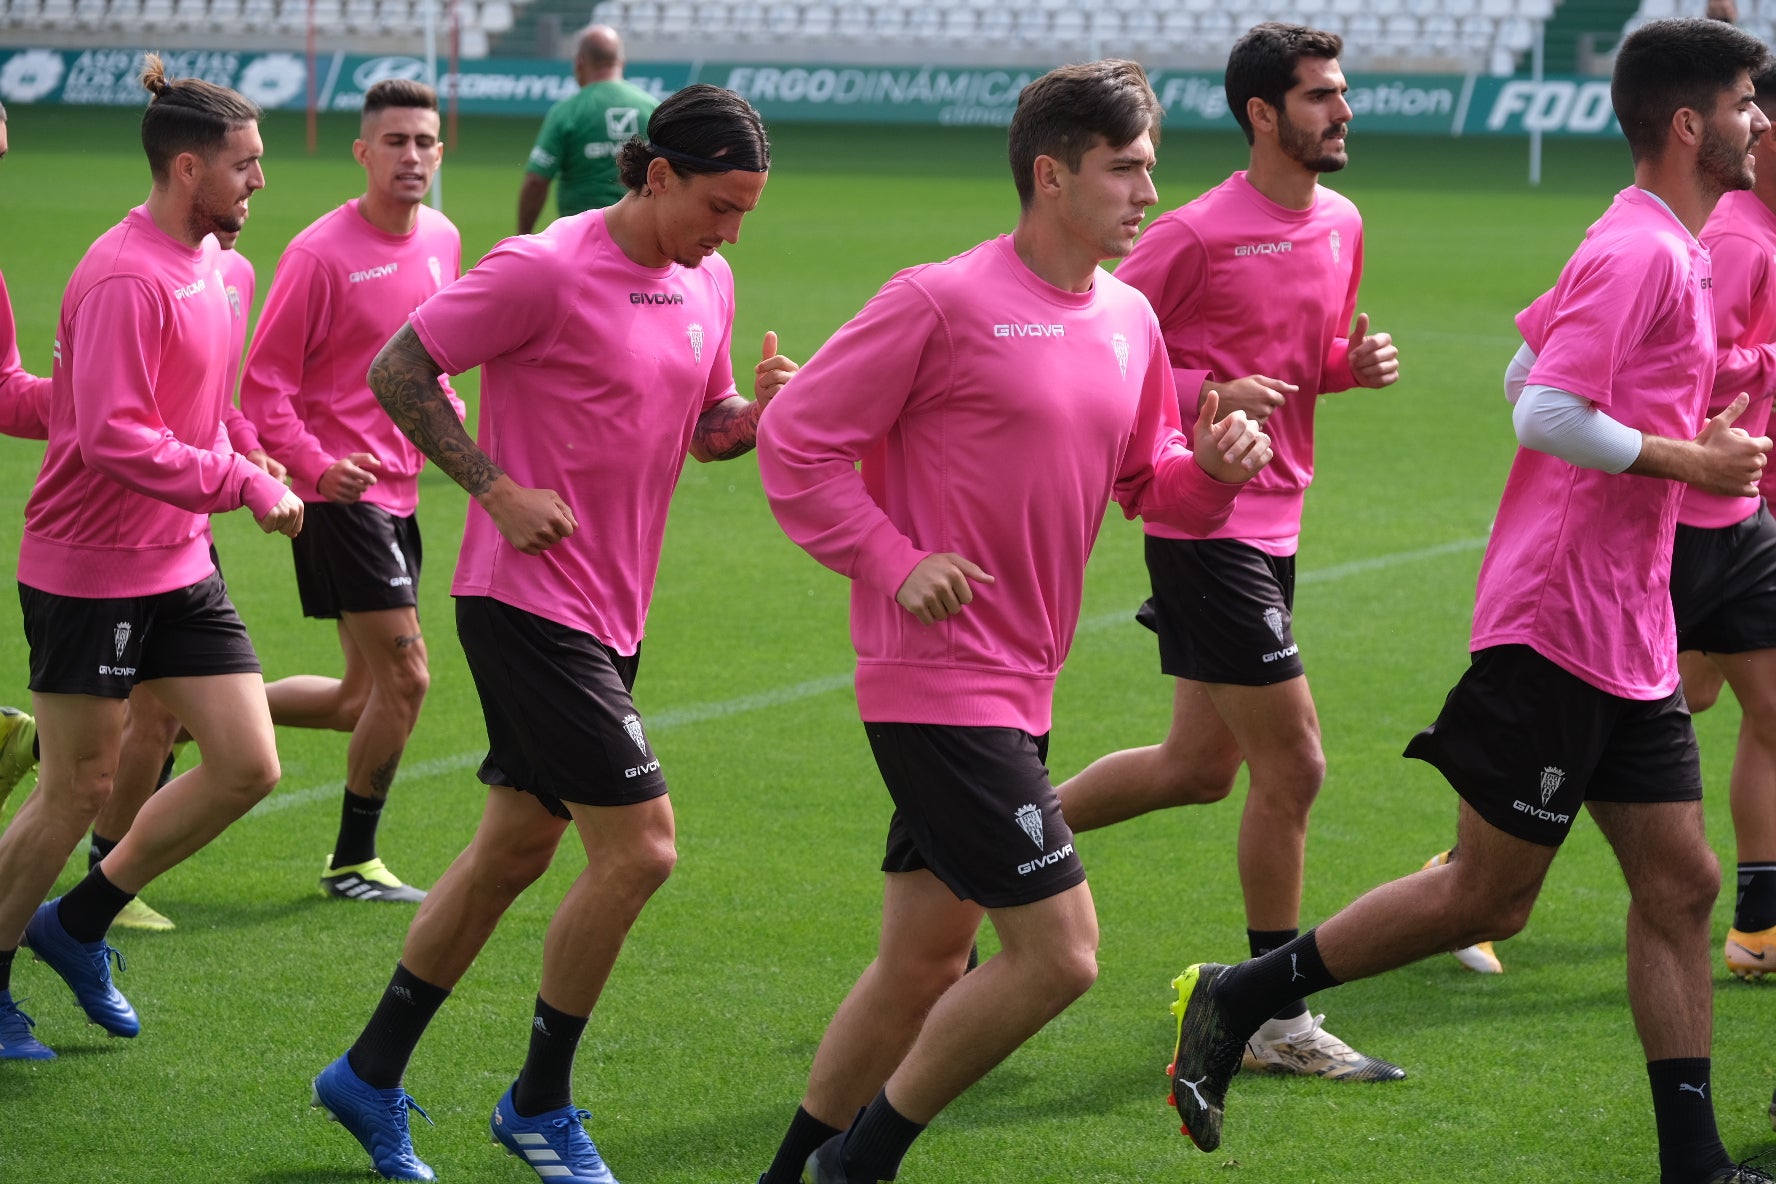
<point x="698" y="162"/>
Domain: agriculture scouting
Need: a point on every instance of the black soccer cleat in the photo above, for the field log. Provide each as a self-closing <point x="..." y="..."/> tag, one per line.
<point x="1207" y="1056"/>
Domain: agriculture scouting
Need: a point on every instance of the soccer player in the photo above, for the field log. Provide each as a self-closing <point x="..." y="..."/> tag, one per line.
<point x="116" y="580"/>
<point x="1255" y="284"/>
<point x="1572" y="696"/>
<point x="1015" y="387"/>
<point x="341" y="289"/>
<point x="603" y="343"/>
<point x="583" y="134"/>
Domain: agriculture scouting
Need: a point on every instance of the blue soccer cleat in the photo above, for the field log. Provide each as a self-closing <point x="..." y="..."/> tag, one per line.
<point x="86" y="967"/>
<point x="555" y="1143"/>
<point x="376" y="1118"/>
<point x="16" y="1041"/>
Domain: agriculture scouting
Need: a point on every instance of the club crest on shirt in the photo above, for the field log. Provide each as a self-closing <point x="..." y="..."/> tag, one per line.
<point x="234" y="300"/>
<point x="437" y="270"/>
<point x="1120" y="344"/>
<point x="1336" y="242"/>
<point x="695" y="333"/>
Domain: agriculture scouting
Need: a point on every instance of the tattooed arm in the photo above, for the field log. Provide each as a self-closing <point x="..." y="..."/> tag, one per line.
<point x="404" y="378"/>
<point x="730" y="428"/>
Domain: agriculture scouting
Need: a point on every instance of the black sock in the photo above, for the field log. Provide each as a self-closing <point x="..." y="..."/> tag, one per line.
<point x="91" y="905"/>
<point x="546" y="1081"/>
<point x="97" y="847"/>
<point x="804" y="1137"/>
<point x="877" y="1141"/>
<point x="1756" y="908"/>
<point x="386" y="1045"/>
<point x="1262" y="942"/>
<point x="357" y="830"/>
<point x="166" y="769"/>
<point x="1690" y="1147"/>
<point x="1252" y="991"/>
<point x="6" y="957"/>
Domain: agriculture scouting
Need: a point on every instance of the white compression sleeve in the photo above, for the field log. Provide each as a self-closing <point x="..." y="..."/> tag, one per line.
<point x="1517" y="373"/>
<point x="1565" y="425"/>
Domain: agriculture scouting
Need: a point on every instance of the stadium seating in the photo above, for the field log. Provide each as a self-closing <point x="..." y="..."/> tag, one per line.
<point x="1404" y="34"/>
<point x="1757" y="17"/>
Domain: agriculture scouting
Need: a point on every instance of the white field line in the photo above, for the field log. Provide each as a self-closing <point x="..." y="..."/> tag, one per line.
<point x="695" y="713"/>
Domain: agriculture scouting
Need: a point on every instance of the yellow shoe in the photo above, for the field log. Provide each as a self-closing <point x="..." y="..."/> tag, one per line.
<point x="1751" y="955"/>
<point x="139" y="914"/>
<point x="18" y="748"/>
<point x="367" y="881"/>
<point x="1479" y="958"/>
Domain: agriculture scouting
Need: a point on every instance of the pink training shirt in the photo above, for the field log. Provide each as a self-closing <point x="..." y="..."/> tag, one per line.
<point x="341" y="290"/>
<point x="995" y="416"/>
<point x="238" y="281"/>
<point x="23" y="396"/>
<point x="594" y="373"/>
<point x="1741" y="240"/>
<point x="1579" y="564"/>
<point x="137" y="458"/>
<point x="1242" y="285"/>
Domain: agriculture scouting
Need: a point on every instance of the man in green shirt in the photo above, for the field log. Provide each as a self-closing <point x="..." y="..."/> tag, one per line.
<point x="583" y="133"/>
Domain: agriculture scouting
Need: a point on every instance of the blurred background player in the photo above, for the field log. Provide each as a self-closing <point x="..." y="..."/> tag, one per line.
<point x="341" y="289"/>
<point x="946" y="408"/>
<point x="584" y="133"/>
<point x="116" y="579"/>
<point x="1572" y="697"/>
<point x="590" y="400"/>
<point x="1255" y="284"/>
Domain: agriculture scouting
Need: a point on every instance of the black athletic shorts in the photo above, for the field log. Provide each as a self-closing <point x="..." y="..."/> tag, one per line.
<point x="103" y="647"/>
<point x="975" y="807"/>
<point x="1222" y="609"/>
<point x="560" y="723"/>
<point x="355" y="559"/>
<point x="1723" y="586"/>
<point x="1525" y="743"/>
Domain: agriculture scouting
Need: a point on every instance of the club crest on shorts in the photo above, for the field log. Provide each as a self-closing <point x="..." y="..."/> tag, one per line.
<point x="436" y="267"/>
<point x="121" y="635"/>
<point x="1273" y="617"/>
<point x="695" y="333"/>
<point x="395" y="550"/>
<point x="632" y="725"/>
<point x="1120" y="344"/>
<point x="1552" y="779"/>
<point x="1336" y="242"/>
<point x="1029" y="819"/>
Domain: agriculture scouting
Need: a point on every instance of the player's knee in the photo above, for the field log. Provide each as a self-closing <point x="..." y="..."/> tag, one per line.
<point x="1198" y="784"/>
<point x="647" y="864"/>
<point x="1685" y="890"/>
<point x="1702" y="695"/>
<point x="255" y="775"/>
<point x="1075" y="969"/>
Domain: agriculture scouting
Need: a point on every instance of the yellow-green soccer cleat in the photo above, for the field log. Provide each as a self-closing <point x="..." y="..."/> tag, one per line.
<point x="139" y="914"/>
<point x="1481" y="958"/>
<point x="18" y="748"/>
<point x="1207" y="1056"/>
<point x="1311" y="1051"/>
<point x="367" y="881"/>
<point x="1751" y="955"/>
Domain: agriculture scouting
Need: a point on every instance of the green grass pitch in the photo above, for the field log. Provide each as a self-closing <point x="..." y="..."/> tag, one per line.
<point x="697" y="1056"/>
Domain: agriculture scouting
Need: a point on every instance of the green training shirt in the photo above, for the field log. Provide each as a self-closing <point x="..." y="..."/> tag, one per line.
<point x="581" y="137"/>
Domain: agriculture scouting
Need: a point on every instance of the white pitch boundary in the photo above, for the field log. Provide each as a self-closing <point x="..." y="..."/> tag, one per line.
<point x="696" y="713"/>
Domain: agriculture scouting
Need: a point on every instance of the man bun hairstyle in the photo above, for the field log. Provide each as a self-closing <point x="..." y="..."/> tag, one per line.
<point x="1263" y="65"/>
<point x="701" y="129"/>
<point x="399" y="92"/>
<point x="1665" y="66"/>
<point x="1064" y="114"/>
<point x="187" y="115"/>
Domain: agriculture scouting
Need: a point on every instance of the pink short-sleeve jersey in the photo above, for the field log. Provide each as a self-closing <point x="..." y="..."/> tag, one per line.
<point x="1579" y="564"/>
<point x="1741" y="241"/>
<point x="994" y="416"/>
<point x="137" y="459"/>
<point x="341" y="290"/>
<point x="594" y="371"/>
<point x="1243" y="286"/>
<point x="23" y="396"/>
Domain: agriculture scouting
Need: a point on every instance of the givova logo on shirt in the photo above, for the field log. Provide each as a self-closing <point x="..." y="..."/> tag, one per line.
<point x="1029" y="330"/>
<point x="189" y="290"/>
<point x="374" y="273"/>
<point x="1282" y="248"/>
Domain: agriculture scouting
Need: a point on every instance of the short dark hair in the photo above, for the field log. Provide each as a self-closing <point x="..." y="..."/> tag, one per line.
<point x="1665" y="66"/>
<point x="399" y="92"/>
<point x="1064" y="114"/>
<point x="699" y="130"/>
<point x="187" y="115"/>
<point x="1263" y="65"/>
